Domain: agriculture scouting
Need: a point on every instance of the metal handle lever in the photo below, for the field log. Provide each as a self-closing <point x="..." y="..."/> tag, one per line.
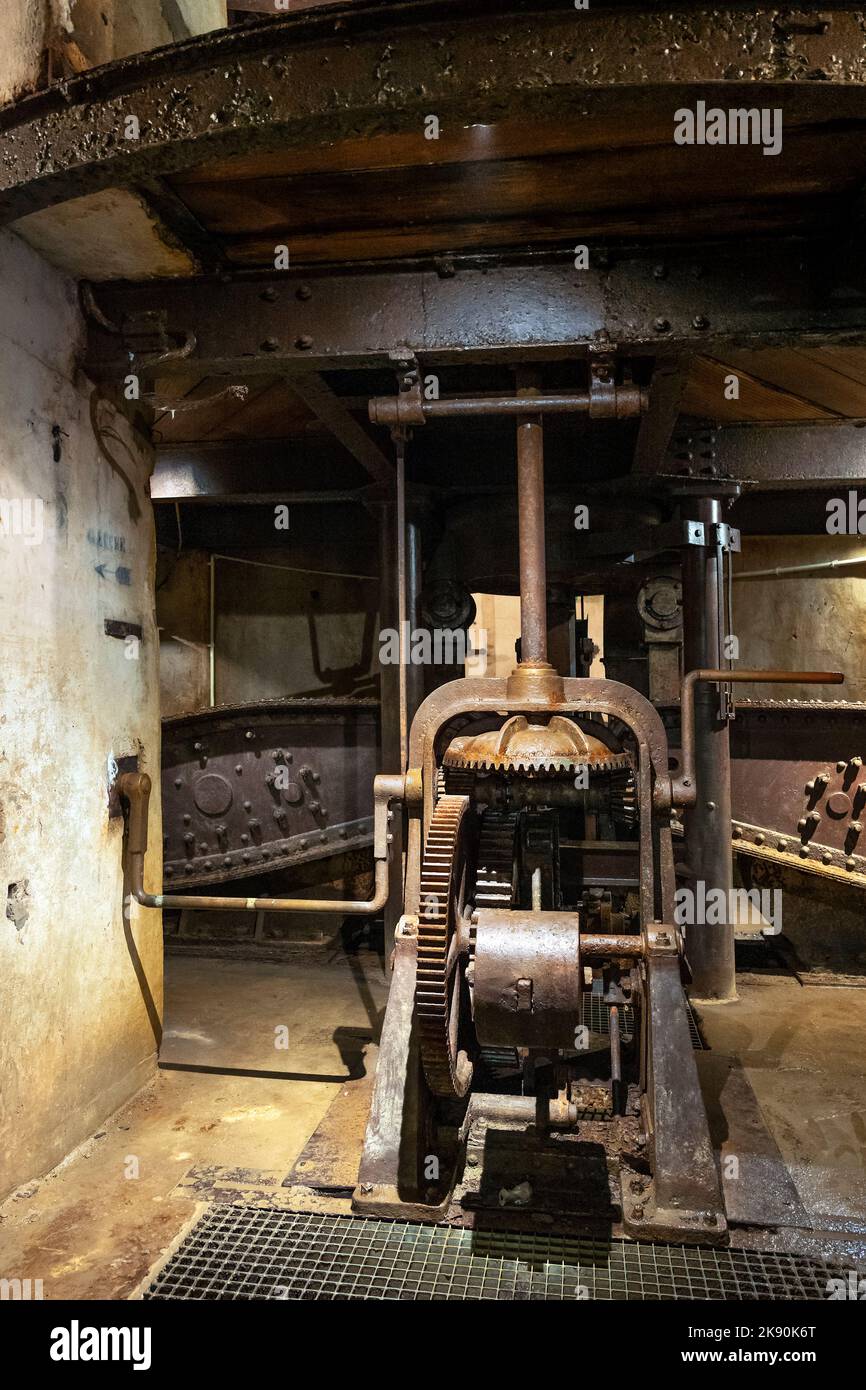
<point x="683" y="788"/>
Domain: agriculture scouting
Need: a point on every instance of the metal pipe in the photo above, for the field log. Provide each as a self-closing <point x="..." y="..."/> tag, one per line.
<point x="135" y="788"/>
<point x="533" y="562"/>
<point x="400" y="449"/>
<point x="212" y="633"/>
<point x="800" y="569"/>
<point x="406" y="409"/>
<point x="684" y="788"/>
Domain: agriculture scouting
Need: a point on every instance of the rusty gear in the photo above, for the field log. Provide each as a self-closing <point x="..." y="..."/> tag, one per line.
<point x="440" y="1005"/>
<point x="560" y="747"/>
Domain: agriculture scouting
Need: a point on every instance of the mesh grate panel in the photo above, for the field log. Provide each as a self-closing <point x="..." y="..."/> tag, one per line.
<point x="247" y="1253"/>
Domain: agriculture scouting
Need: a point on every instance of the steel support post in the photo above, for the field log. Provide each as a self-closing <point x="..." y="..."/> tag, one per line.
<point x="709" y="948"/>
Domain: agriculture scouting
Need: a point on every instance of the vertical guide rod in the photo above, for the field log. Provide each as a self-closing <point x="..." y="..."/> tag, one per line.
<point x="533" y="560"/>
<point x="400" y="446"/>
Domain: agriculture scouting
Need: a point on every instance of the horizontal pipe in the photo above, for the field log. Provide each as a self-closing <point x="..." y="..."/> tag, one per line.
<point x="683" y="788"/>
<point x="800" y="569"/>
<point x="135" y="788"/>
<point x="408" y="409"/>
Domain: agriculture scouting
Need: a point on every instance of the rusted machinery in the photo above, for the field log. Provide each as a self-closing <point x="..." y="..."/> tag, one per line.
<point x="520" y="791"/>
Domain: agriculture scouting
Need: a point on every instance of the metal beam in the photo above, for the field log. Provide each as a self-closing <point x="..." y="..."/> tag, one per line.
<point x="315" y="393"/>
<point x="771" y="456"/>
<point x="358" y="70"/>
<point x="660" y="419"/>
<point x="774" y="292"/>
<point x="254" y="471"/>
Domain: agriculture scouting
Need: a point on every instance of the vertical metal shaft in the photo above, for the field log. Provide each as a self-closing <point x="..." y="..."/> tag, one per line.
<point x="402" y="623"/>
<point x="389" y="675"/>
<point x="414" y="574"/>
<point x="533" y="566"/>
<point x="709" y="948"/>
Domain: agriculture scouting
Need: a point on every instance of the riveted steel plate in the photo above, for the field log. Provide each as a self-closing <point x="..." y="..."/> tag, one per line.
<point x="250" y="788"/>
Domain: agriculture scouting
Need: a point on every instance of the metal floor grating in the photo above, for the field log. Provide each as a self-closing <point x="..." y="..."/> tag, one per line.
<point x="250" y="1253"/>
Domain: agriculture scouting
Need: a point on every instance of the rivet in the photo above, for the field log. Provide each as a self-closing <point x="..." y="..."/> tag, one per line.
<point x="304" y="343"/>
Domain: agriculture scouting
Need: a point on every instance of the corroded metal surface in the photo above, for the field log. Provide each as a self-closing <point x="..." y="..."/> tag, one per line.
<point x="798" y="789"/>
<point x="440" y="994"/>
<point x="528" y="982"/>
<point x="380" y="67"/>
<point x="766" y="293"/>
<point x="249" y="788"/>
<point x="560" y="746"/>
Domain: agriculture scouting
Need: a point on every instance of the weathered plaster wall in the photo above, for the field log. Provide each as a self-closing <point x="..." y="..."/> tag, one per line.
<point x="183" y="614"/>
<point x="80" y="985"/>
<point x="24" y="36"/>
<point x="85" y="33"/>
<point x="282" y="632"/>
<point x="814" y="621"/>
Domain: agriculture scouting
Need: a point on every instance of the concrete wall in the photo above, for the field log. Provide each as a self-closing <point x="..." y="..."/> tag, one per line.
<point x="183" y="614"/>
<point x="283" y="632"/>
<point x="814" y="621"/>
<point x="24" y="38"/>
<point x="80" y="986"/>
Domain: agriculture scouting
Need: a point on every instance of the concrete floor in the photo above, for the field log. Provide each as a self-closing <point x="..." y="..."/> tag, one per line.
<point x="803" y="1049"/>
<point x="226" y="1096"/>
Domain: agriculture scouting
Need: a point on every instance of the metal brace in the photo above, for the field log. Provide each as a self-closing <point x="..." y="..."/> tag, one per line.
<point x="713" y="534"/>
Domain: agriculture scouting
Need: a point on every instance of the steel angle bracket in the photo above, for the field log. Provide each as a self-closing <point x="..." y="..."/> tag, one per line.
<point x="682" y="1201"/>
<point x="391" y="1180"/>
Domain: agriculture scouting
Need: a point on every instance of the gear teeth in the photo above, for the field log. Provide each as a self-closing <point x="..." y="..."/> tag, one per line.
<point x="530" y="767"/>
<point x="436" y="927"/>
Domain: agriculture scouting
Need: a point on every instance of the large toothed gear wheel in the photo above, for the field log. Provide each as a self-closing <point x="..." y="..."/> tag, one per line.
<point x="441" y="994"/>
<point x="559" y="747"/>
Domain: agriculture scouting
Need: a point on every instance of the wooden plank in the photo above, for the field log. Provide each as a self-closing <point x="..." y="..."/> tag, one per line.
<point x="321" y="399"/>
<point x="806" y="375"/>
<point x="637" y="184"/>
<point x="704" y="396"/>
<point x="850" y="362"/>
<point x="458" y="143"/>
<point x="370" y="244"/>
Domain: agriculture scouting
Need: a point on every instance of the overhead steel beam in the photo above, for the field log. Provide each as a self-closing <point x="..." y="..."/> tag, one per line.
<point x="774" y="292"/>
<point x="771" y="456"/>
<point x="253" y="471"/>
<point x="353" y="71"/>
<point x="316" y="393"/>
